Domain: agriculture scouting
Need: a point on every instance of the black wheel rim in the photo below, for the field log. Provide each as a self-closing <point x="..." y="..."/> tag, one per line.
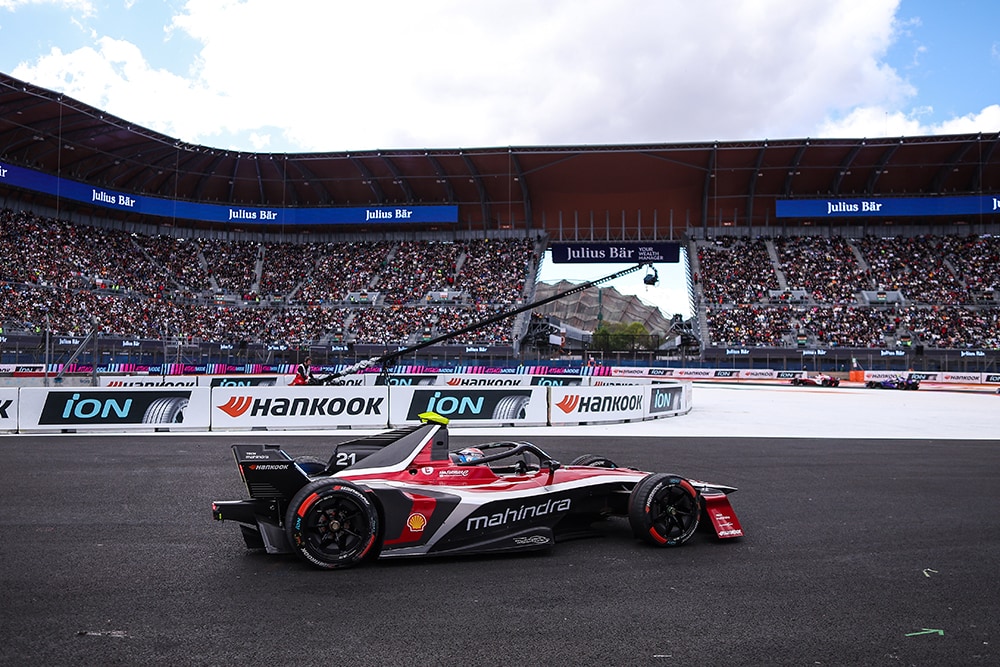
<point x="673" y="512"/>
<point x="336" y="527"/>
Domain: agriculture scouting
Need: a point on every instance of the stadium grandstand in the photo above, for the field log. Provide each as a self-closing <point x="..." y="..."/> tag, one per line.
<point x="123" y="245"/>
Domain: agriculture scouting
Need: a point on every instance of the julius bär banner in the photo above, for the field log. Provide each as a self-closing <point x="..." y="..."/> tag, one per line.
<point x="37" y="181"/>
<point x="610" y="253"/>
<point x="882" y="207"/>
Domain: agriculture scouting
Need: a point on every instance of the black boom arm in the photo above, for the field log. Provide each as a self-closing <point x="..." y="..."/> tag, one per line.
<point x="384" y="360"/>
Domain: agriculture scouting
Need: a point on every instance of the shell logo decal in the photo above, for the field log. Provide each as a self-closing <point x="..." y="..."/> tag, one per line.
<point x="416" y="522"/>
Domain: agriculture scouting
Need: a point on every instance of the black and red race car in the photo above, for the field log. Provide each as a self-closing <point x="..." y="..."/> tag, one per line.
<point x="405" y="493"/>
<point x="816" y="380"/>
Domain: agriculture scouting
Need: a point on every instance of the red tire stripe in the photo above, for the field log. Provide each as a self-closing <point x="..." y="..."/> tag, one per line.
<point x="301" y="512"/>
<point x="656" y="536"/>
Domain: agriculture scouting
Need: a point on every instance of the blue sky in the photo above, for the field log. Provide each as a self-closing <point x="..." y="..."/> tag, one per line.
<point x="326" y="75"/>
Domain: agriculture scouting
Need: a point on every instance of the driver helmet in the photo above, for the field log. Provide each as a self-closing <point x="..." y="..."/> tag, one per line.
<point x="469" y="454"/>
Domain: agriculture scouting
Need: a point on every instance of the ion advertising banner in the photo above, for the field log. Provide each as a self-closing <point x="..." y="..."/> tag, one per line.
<point x="127" y="409"/>
<point x="471" y="406"/>
<point x="669" y="400"/>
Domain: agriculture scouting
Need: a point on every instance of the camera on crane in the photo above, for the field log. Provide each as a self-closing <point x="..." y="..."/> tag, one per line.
<point x="651" y="277"/>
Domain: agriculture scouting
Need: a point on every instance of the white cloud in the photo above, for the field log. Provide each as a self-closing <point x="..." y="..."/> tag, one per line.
<point x="880" y="122"/>
<point x="320" y="75"/>
<point x="116" y="78"/>
<point x="84" y="6"/>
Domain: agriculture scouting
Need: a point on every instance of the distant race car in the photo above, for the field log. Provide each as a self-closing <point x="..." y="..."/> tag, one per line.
<point x="895" y="382"/>
<point x="817" y="380"/>
<point x="404" y="493"/>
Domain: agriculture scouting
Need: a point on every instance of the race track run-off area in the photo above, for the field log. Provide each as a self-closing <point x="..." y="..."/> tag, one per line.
<point x="871" y="539"/>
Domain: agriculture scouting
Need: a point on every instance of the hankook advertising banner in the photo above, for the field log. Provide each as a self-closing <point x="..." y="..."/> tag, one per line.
<point x="8" y="410"/>
<point x="593" y="405"/>
<point x="303" y="407"/>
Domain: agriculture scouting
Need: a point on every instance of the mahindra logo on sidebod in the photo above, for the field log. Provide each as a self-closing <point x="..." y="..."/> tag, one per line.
<point x="237" y="406"/>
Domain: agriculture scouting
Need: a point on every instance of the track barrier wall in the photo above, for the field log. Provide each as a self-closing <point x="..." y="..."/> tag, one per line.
<point x="279" y="408"/>
<point x="8" y="410"/>
<point x="79" y="409"/>
<point x="375" y="401"/>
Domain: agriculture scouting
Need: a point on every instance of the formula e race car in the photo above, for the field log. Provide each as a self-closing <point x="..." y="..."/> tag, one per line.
<point x="817" y="380"/>
<point x="895" y="382"/>
<point x="404" y="493"/>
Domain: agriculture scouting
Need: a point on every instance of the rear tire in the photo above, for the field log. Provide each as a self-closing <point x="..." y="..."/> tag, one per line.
<point x="332" y="524"/>
<point x="664" y="510"/>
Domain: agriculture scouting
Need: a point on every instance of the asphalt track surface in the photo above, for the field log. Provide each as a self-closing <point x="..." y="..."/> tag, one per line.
<point x="858" y="551"/>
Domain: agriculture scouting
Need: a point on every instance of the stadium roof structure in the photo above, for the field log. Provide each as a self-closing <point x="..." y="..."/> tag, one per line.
<point x="591" y="192"/>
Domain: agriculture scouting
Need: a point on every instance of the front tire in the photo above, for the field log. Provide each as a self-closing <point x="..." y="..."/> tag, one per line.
<point x="664" y="510"/>
<point x="332" y="524"/>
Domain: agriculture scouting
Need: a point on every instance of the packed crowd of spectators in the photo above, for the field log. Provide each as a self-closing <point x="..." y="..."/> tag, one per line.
<point x="735" y="271"/>
<point x="55" y="253"/>
<point x="975" y="260"/>
<point x="493" y="271"/>
<point x="914" y="266"/>
<point x="341" y="268"/>
<point x="947" y="285"/>
<point x="68" y="279"/>
<point x="748" y="324"/>
<point x="825" y="267"/>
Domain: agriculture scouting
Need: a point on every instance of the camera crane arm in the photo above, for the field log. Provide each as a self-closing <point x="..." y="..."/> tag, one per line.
<point x="385" y="359"/>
